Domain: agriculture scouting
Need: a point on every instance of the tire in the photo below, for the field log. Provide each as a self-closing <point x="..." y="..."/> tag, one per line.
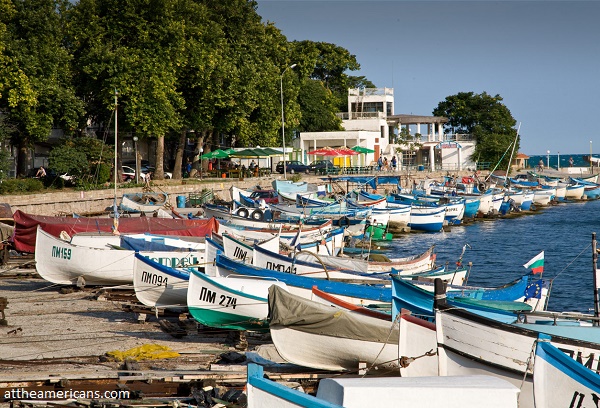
<point x="242" y="212"/>
<point x="257" y="215"/>
<point x="307" y="171"/>
<point x="343" y="222"/>
<point x="482" y="187"/>
<point x="292" y="171"/>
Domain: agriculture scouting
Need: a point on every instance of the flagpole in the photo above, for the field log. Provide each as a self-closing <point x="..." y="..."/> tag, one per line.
<point x="596" y="280"/>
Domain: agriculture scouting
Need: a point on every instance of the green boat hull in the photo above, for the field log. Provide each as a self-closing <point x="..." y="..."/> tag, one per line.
<point x="222" y="320"/>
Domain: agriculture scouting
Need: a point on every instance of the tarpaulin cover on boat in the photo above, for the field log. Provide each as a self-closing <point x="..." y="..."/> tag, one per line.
<point x="26" y="227"/>
<point x="308" y="316"/>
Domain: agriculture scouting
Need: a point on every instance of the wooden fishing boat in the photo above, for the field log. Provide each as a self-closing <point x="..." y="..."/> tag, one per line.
<point x="26" y="227"/>
<point x="274" y="261"/>
<point x="427" y="219"/>
<point x="314" y="335"/>
<point x="417" y="296"/>
<point x="159" y="286"/>
<point x="146" y="202"/>
<point x="61" y="262"/>
<point x="501" y="344"/>
<point x="298" y="284"/>
<point x="244" y="251"/>
<point x="331" y="300"/>
<point x="238" y="303"/>
<point x="290" y="234"/>
<point x="560" y="381"/>
<point x="575" y="192"/>
<point x="422" y="392"/>
<point x="424" y="262"/>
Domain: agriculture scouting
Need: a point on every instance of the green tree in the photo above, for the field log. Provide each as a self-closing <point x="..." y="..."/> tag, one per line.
<point x="487" y="119"/>
<point x="88" y="159"/>
<point x="36" y="92"/>
<point x="331" y="62"/>
<point x="133" y="48"/>
<point x="318" y="108"/>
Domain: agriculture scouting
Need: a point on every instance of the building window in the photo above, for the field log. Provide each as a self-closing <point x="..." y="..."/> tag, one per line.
<point x="388" y="109"/>
<point x="367" y="107"/>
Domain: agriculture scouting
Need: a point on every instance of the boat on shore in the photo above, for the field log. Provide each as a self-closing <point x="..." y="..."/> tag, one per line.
<point x="146" y="202"/>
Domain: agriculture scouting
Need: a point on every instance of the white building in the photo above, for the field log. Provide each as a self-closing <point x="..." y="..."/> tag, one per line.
<point x="371" y="123"/>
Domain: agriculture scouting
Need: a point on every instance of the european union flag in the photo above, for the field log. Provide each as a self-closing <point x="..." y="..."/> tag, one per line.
<point x="534" y="290"/>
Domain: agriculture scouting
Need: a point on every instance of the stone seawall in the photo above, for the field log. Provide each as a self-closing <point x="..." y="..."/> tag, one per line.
<point x="66" y="202"/>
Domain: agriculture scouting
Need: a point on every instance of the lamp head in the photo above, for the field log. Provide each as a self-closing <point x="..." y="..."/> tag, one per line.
<point x="135" y="138"/>
<point x="293" y="66"/>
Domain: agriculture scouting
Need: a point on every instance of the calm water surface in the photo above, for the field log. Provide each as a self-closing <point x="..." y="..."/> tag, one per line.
<point x="499" y="248"/>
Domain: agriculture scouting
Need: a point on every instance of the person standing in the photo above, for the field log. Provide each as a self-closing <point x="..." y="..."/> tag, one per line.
<point x="394" y="163"/>
<point x="571" y="161"/>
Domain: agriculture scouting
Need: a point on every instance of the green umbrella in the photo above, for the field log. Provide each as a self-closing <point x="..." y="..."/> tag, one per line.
<point x="230" y="150"/>
<point x="271" y="152"/>
<point x="361" y="149"/>
<point x="215" y="154"/>
<point x="250" y="153"/>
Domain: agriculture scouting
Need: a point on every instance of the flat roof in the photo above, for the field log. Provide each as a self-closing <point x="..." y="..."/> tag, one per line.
<point x="415" y="119"/>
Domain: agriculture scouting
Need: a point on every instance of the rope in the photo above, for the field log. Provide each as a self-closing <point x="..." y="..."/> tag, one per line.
<point x="396" y="320"/>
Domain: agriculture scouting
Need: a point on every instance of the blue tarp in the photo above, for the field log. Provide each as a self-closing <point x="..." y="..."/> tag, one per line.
<point x="155" y="244"/>
<point x="371" y="181"/>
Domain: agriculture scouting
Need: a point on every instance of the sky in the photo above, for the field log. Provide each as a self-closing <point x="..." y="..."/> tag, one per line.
<point x="541" y="57"/>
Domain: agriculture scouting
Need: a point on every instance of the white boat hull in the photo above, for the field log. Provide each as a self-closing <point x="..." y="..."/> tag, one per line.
<point x="61" y="262"/>
<point x="155" y="288"/>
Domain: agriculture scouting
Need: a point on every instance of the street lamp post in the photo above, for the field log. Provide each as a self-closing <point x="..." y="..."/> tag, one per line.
<point x="548" y="158"/>
<point x="201" y="150"/>
<point x="558" y="162"/>
<point x="591" y="165"/>
<point x="283" y="119"/>
<point x="137" y="173"/>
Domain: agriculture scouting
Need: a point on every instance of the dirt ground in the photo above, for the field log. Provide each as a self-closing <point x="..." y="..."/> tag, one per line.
<point x="50" y="333"/>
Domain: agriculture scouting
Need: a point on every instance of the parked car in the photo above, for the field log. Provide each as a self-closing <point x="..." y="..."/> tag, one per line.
<point x="129" y="174"/>
<point x="292" y="166"/>
<point x="321" y="165"/>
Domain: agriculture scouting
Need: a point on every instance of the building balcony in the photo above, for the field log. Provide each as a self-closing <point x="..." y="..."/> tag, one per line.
<point x="370" y="91"/>
<point x="360" y="115"/>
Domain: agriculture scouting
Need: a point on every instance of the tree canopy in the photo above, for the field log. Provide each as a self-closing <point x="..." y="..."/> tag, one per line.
<point x="487" y="119"/>
<point x="212" y="69"/>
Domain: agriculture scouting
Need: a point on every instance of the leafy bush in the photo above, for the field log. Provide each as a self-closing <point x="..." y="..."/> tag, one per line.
<point x="296" y="177"/>
<point x="20" y="186"/>
<point x="87" y="159"/>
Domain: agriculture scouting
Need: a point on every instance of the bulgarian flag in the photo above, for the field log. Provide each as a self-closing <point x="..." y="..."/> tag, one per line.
<point x="537" y="263"/>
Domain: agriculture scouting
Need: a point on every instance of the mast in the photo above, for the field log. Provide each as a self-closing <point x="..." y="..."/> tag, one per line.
<point x="511" y="155"/>
<point x="115" y="172"/>
<point x="596" y="280"/>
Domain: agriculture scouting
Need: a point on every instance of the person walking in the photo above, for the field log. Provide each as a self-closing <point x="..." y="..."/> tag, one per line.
<point x="394" y="163"/>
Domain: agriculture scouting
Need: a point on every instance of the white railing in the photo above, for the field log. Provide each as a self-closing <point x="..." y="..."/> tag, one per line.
<point x="370" y="91"/>
<point x="359" y="115"/>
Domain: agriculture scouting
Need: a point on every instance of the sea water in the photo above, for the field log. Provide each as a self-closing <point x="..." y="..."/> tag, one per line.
<point x="498" y="249"/>
<point x="578" y="160"/>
